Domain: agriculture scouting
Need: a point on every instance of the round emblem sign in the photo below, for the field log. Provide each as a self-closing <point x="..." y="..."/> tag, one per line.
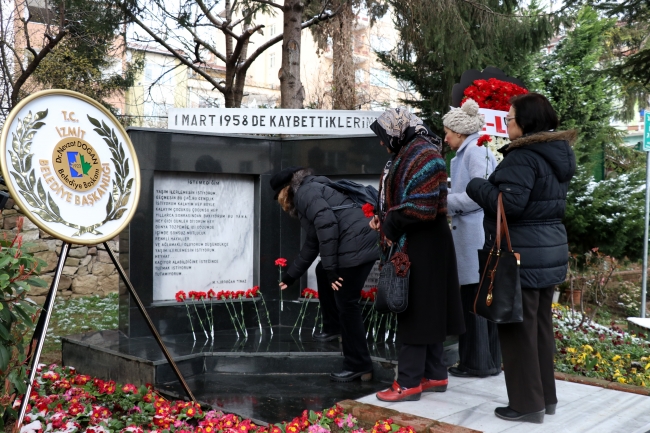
<point x="70" y="166"/>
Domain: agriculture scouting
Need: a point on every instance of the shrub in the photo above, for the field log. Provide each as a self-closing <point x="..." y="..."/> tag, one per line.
<point x="18" y="270"/>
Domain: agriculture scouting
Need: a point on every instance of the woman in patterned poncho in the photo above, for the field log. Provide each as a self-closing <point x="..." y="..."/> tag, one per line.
<point x="413" y="213"/>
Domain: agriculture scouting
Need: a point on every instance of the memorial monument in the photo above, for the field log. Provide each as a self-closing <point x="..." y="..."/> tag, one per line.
<point x="206" y="220"/>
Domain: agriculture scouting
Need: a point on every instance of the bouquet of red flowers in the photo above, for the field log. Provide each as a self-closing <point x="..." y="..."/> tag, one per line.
<point x="493" y="94"/>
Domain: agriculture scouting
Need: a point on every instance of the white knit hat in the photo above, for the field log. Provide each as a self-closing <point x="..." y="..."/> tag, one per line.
<point x="464" y="120"/>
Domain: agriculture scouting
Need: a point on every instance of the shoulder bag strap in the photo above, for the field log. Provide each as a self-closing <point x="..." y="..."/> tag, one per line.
<point x="501" y="214"/>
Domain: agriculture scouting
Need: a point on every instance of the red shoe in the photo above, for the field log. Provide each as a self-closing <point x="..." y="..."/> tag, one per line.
<point x="397" y="393"/>
<point x="429" y="385"/>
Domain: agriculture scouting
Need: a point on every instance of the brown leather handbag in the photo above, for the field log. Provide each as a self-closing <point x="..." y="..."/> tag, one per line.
<point x="499" y="294"/>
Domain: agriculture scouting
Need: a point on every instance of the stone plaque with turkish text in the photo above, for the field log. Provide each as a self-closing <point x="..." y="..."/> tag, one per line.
<point x="203" y="233"/>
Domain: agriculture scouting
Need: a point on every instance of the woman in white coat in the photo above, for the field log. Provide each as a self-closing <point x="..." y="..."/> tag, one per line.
<point x="479" y="351"/>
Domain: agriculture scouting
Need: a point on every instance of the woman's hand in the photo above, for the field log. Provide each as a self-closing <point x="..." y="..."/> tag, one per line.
<point x="282" y="286"/>
<point x="374" y="223"/>
<point x="336" y="285"/>
<point x="389" y="242"/>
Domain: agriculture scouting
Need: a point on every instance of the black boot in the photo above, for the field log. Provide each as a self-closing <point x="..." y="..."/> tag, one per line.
<point x="325" y="336"/>
<point x="512" y="415"/>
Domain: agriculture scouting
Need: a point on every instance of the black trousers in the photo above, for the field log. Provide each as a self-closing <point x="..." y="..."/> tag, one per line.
<point x="478" y="347"/>
<point x="528" y="350"/>
<point x="342" y="313"/>
<point x="416" y="361"/>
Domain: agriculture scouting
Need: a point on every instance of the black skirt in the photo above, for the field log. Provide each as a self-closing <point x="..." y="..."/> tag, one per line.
<point x="435" y="309"/>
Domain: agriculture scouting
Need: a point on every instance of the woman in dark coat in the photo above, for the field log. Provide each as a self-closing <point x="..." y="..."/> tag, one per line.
<point x="534" y="178"/>
<point x="348" y="251"/>
<point x="413" y="214"/>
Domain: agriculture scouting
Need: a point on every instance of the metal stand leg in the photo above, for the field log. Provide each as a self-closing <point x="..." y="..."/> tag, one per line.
<point x="153" y="329"/>
<point x="41" y="330"/>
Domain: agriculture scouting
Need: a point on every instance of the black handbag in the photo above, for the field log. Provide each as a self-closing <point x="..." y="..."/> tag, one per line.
<point x="393" y="288"/>
<point x="499" y="294"/>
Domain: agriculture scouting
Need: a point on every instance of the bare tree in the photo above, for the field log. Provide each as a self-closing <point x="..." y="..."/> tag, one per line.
<point x="61" y="44"/>
<point x="187" y="31"/>
<point x="19" y="36"/>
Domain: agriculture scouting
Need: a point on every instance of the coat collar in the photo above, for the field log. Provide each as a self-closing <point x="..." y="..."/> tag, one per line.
<point x="468" y="140"/>
<point x="544" y="137"/>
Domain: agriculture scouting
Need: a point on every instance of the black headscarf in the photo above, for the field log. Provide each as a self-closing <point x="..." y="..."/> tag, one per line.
<point x="396" y="127"/>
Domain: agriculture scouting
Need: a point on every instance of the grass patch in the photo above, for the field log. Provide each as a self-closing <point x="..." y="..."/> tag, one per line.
<point x="78" y="315"/>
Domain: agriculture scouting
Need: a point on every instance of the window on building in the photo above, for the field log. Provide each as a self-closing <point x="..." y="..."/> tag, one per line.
<point x="272" y="30"/>
<point x="272" y="60"/>
<point x="380" y="43"/>
<point x="379" y="78"/>
<point x="159" y="74"/>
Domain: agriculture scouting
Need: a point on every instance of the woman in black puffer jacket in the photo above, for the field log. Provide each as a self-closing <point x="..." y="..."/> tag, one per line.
<point x="534" y="178"/>
<point x="348" y="248"/>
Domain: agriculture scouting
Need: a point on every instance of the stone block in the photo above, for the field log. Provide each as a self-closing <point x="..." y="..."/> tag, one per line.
<point x="10" y="203"/>
<point x="12" y="211"/>
<point x="10" y="222"/>
<point x="40" y="300"/>
<point x="71" y="261"/>
<point x="65" y="283"/>
<point x="109" y="284"/>
<point x="102" y="256"/>
<point x="79" y="253"/>
<point x="44" y="235"/>
<point x="50" y="257"/>
<point x="51" y="244"/>
<point x="69" y="270"/>
<point x="30" y="236"/>
<point x="92" y="251"/>
<point x="85" y="285"/>
<point x="38" y="247"/>
<point x="39" y="291"/>
<point x="85" y="260"/>
<point x="369" y="414"/>
<point x="103" y="269"/>
<point x="29" y="225"/>
<point x="83" y="270"/>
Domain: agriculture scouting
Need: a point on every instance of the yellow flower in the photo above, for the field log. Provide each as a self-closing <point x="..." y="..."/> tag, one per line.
<point x="598" y="355"/>
<point x="647" y="366"/>
<point x="588" y="348"/>
<point x="571" y="349"/>
<point x="633" y="371"/>
<point x="616" y="358"/>
<point x="621" y="379"/>
<point x="644" y="358"/>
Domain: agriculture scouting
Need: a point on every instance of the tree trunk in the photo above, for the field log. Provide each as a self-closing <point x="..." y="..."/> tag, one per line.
<point x="343" y="91"/>
<point x="292" y="94"/>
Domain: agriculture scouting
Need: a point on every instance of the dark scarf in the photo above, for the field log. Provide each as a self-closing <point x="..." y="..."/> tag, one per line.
<point x="397" y="127"/>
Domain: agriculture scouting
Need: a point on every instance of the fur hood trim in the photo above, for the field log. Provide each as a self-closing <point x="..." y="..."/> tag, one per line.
<point x="298" y="177"/>
<point x="544" y="137"/>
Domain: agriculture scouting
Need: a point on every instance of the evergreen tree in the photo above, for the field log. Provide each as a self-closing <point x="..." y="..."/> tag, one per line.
<point x="442" y="39"/>
<point x="600" y="213"/>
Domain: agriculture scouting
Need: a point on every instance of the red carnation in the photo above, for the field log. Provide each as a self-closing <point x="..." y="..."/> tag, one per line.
<point x="180" y="296"/>
<point x="368" y="210"/>
<point x="281" y="262"/>
<point x="211" y="294"/>
<point x="483" y="139"/>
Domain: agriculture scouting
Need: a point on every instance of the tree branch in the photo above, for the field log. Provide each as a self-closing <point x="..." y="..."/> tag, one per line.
<point x="207" y="46"/>
<point x="270" y="3"/>
<point x="33" y="65"/>
<point x="172" y="51"/>
<point x="323" y="16"/>
<point x="219" y="23"/>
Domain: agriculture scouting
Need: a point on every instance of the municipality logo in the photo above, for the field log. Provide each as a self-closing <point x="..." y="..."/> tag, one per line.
<point x="77" y="164"/>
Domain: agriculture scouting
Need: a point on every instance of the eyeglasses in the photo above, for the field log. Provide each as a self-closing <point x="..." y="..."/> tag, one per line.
<point x="508" y="119"/>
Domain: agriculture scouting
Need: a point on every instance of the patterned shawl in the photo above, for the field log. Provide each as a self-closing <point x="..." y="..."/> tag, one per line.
<point x="397" y="127"/>
<point x="416" y="182"/>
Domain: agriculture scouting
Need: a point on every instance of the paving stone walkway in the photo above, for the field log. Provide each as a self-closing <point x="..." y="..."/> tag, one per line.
<point x="581" y="408"/>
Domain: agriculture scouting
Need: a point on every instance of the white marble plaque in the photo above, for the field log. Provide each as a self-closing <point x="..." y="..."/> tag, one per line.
<point x="203" y="233"/>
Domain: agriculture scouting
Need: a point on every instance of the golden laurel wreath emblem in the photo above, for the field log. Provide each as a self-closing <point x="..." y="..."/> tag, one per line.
<point x="33" y="191"/>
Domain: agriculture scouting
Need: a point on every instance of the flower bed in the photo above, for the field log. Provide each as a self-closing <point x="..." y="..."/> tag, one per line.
<point x="593" y="350"/>
<point x="65" y="402"/>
